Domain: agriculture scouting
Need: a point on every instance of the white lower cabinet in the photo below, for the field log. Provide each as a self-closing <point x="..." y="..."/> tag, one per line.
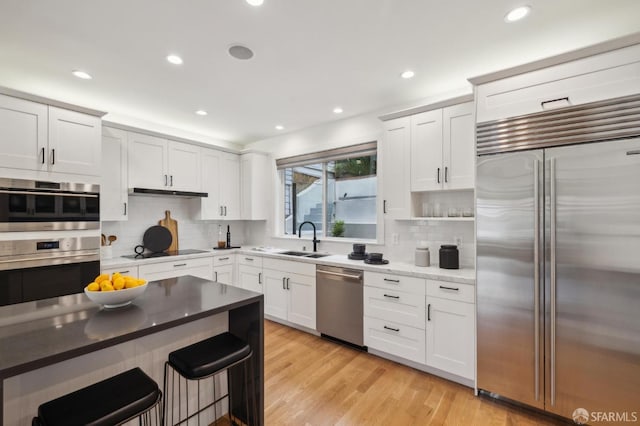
<point x="199" y="267"/>
<point x="250" y="278"/>
<point x="125" y="270"/>
<point x="224" y="269"/>
<point x="395" y="338"/>
<point x="290" y="291"/>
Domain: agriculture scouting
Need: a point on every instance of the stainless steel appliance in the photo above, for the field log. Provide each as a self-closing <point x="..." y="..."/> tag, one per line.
<point x="558" y="269"/>
<point x="49" y="267"/>
<point x="27" y="205"/>
<point x="339" y="302"/>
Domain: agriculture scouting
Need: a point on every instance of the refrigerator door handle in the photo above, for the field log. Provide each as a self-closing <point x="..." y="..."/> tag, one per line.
<point x="536" y="277"/>
<point x="552" y="201"/>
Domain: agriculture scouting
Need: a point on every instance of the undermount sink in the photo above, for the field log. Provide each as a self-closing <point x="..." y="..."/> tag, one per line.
<point x="304" y="254"/>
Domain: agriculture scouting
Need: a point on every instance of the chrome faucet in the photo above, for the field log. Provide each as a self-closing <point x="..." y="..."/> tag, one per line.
<point x="315" y="240"/>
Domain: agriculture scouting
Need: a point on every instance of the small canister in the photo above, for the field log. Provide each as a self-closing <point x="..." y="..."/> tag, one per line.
<point x="423" y="257"/>
<point x="449" y="257"/>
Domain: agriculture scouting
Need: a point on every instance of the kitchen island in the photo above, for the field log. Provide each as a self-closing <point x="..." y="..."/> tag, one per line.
<point x="51" y="347"/>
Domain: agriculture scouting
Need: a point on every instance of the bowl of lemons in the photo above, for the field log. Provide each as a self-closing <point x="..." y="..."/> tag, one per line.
<point x="116" y="290"/>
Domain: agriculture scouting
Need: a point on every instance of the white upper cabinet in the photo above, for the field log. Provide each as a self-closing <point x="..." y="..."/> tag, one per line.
<point x="23" y="134"/>
<point x="113" y="187"/>
<point x="599" y="77"/>
<point x="74" y="142"/>
<point x="442" y="149"/>
<point x="157" y="163"/>
<point x="221" y="180"/>
<point x="395" y="168"/>
<point x="184" y="166"/>
<point x="148" y="162"/>
<point x="254" y="185"/>
<point x="47" y="142"/>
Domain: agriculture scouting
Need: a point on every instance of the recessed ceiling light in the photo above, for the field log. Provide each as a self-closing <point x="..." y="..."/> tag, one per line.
<point x="407" y="74"/>
<point x="337" y="110"/>
<point x="81" y="74"/>
<point x="201" y="112"/>
<point x="241" y="52"/>
<point x="255" y="2"/>
<point x="174" y="59"/>
<point x="517" y="14"/>
<point x="279" y="127"/>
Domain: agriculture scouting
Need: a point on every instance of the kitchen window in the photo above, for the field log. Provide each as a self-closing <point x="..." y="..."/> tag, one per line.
<point x="336" y="190"/>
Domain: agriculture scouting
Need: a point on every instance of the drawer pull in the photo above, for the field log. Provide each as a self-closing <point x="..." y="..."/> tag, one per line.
<point x="259" y="277"/>
<point x="250" y="259"/>
<point x="634" y="152"/>
<point x="449" y="288"/>
<point x="391" y="328"/>
<point x="124" y="272"/>
<point x="392" y="297"/>
<point x="179" y="264"/>
<point x="224" y="258"/>
<point x="429" y="312"/>
<point x="392" y="281"/>
<point x="552" y="103"/>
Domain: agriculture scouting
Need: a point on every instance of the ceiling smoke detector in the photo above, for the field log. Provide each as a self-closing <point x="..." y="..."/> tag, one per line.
<point x="240" y="52"/>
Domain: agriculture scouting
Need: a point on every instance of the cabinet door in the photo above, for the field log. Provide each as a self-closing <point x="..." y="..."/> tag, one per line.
<point x="23" y="134"/>
<point x="210" y="206"/>
<point x="459" y="154"/>
<point x="184" y="166"/>
<point x="255" y="179"/>
<point x="113" y="186"/>
<point x="396" y="168"/>
<point x="250" y="277"/>
<point x="147" y="161"/>
<point x="450" y="336"/>
<point x="74" y="142"/>
<point x="224" y="274"/>
<point x="302" y="300"/>
<point x="275" y="294"/>
<point x="229" y="179"/>
<point x="426" y="151"/>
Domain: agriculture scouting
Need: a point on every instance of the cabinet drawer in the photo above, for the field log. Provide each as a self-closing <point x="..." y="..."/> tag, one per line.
<point x="599" y="77"/>
<point x="393" y="305"/>
<point x="451" y="291"/>
<point x="227" y="259"/>
<point x="250" y="260"/>
<point x="124" y="270"/>
<point x="176" y="265"/>
<point x="395" y="339"/>
<point x="289" y="266"/>
<point x="395" y="282"/>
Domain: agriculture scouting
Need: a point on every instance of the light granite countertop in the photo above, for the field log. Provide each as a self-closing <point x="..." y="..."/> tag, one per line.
<point x="463" y="276"/>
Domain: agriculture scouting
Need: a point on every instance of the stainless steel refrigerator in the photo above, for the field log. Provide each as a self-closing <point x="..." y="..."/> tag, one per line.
<point x="558" y="258"/>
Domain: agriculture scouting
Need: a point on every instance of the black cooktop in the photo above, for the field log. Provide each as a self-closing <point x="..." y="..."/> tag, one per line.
<point x="148" y="255"/>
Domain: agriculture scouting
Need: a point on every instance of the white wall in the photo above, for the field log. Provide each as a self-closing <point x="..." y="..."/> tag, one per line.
<point x="353" y="130"/>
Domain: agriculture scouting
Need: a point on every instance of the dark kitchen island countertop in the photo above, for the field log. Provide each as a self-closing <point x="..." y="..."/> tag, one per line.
<point x="38" y="334"/>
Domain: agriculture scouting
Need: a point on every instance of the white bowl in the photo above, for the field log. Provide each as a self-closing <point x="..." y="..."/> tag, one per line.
<point x="116" y="298"/>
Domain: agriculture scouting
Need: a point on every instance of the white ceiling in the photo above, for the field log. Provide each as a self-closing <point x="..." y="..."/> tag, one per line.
<point x="310" y="55"/>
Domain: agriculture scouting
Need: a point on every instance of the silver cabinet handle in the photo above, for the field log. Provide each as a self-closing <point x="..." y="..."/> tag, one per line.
<point x="338" y="274"/>
<point x="392" y="281"/>
<point x="536" y="279"/>
<point x="124" y="272"/>
<point x="177" y="265"/>
<point x="449" y="288"/>
<point x="250" y="259"/>
<point x="552" y="200"/>
<point x="53" y="156"/>
<point x="165" y="180"/>
<point x="216" y="275"/>
<point x="429" y="312"/>
<point x="384" y="206"/>
<point x="283" y="280"/>
<point x="438" y="177"/>
<point x="42" y="155"/>
<point x="224" y="258"/>
<point x="259" y="277"/>
<point x="391" y="328"/>
<point x="391" y="297"/>
<point x="171" y="180"/>
<point x="288" y="288"/>
<point x="446" y="174"/>
<point x="633" y="152"/>
<point x="125" y="208"/>
<point x="225" y="210"/>
<point x="550" y="101"/>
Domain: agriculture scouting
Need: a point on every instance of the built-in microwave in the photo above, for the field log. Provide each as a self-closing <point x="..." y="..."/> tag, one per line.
<point x="27" y="205"/>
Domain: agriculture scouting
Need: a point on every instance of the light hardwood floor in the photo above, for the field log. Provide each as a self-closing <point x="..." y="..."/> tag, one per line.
<point x="312" y="381"/>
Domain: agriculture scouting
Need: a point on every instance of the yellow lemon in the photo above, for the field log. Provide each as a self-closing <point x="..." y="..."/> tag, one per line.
<point x="130" y="284"/>
<point x="107" y="287"/>
<point x="94" y="286"/>
<point x="101" y="278"/>
<point x="118" y="283"/>
<point x="140" y="281"/>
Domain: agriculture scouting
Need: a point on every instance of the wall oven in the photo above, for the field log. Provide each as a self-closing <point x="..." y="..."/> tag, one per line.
<point x="49" y="239"/>
<point x="27" y="205"/>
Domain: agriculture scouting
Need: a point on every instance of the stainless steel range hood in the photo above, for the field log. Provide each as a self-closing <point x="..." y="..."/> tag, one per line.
<point x="167" y="192"/>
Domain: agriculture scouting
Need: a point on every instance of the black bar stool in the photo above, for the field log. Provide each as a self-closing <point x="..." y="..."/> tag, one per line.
<point x="113" y="401"/>
<point x="203" y="360"/>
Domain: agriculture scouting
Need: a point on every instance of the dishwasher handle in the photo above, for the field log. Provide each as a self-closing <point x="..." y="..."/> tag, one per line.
<point x="351" y="277"/>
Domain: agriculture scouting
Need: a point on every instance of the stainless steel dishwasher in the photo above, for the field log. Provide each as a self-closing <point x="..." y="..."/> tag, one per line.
<point x="339" y="299"/>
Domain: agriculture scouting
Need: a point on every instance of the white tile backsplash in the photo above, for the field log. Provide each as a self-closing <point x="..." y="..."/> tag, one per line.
<point x="146" y="211"/>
